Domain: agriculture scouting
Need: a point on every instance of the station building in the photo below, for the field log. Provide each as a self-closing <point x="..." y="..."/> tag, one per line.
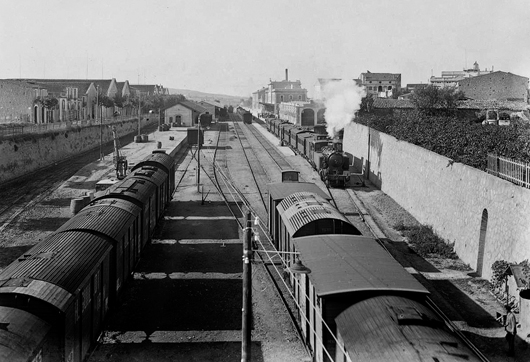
<point x="184" y="113"/>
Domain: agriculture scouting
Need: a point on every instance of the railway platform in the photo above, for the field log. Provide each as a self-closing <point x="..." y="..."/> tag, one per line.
<point x="85" y="180"/>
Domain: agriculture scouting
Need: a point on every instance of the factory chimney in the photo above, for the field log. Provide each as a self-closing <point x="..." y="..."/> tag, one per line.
<point x="287" y="75"/>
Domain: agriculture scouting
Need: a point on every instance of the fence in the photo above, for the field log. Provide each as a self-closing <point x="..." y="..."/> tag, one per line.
<point x="512" y="170"/>
<point x="18" y="129"/>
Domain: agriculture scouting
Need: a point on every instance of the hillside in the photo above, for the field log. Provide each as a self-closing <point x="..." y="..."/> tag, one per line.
<point x="201" y="96"/>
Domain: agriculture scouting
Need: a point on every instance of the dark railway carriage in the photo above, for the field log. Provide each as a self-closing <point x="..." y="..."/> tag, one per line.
<point x="16" y="341"/>
<point x="160" y="159"/>
<point x="345" y="269"/>
<point x="307" y="213"/>
<point x="296" y="133"/>
<point x="279" y="191"/>
<point x="159" y="178"/>
<point x="303" y="143"/>
<point x="64" y="281"/>
<point x="101" y="217"/>
<point x="285" y="132"/>
<point x="416" y="332"/>
<point x="142" y="193"/>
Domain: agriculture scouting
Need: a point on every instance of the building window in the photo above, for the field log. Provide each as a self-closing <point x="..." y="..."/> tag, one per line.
<point x="389" y="87"/>
<point x="290" y="97"/>
<point x="281" y="98"/>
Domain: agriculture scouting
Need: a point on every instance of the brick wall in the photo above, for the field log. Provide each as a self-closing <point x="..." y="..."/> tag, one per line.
<point x="496" y="85"/>
<point x="449" y="196"/>
<point x="16" y="102"/>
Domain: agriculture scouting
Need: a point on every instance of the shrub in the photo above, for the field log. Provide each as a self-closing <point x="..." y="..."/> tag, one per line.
<point x="424" y="241"/>
<point x="462" y="141"/>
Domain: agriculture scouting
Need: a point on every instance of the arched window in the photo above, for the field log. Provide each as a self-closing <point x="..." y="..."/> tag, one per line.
<point x="281" y="98"/>
<point x="482" y="241"/>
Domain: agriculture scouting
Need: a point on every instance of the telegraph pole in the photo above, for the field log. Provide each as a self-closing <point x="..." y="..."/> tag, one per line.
<point x="100" y="124"/>
<point x="199" y="156"/>
<point x="246" y="319"/>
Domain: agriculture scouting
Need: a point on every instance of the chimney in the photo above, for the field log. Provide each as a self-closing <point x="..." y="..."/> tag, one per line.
<point x="286" y="74"/>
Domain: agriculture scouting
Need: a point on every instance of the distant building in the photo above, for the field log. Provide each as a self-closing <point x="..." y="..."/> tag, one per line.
<point x="268" y="98"/>
<point x="501" y="86"/>
<point x="213" y="107"/>
<point x="450" y="78"/>
<point x="150" y="89"/>
<point x="184" y="113"/>
<point x="381" y="85"/>
<point x="16" y="101"/>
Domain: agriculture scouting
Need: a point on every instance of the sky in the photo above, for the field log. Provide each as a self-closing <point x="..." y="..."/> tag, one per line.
<point x="236" y="47"/>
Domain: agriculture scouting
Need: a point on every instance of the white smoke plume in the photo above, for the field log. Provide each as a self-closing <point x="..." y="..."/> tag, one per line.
<point x="342" y="99"/>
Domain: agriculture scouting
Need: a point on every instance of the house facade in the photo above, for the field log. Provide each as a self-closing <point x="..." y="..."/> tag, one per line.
<point x="17" y="102"/>
<point x="498" y="85"/>
<point x="184" y="113"/>
<point x="450" y="78"/>
<point x="268" y="98"/>
<point x="33" y="100"/>
<point x="380" y="85"/>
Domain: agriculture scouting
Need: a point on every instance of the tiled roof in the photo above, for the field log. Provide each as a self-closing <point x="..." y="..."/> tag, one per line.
<point x="59" y="85"/>
<point x="191" y="105"/>
<point x="381" y="76"/>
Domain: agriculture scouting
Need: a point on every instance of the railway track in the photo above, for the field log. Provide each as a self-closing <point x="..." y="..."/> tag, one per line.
<point x="22" y="194"/>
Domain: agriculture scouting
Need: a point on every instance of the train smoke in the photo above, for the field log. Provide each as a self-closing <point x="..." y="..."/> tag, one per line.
<point x="342" y="99"/>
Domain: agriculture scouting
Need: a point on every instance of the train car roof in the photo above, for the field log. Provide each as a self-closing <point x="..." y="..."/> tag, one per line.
<point x="300" y="211"/>
<point x="153" y="174"/>
<point x="56" y="268"/>
<point x="307" y="135"/>
<point x="280" y="190"/>
<point x="22" y="334"/>
<point x="403" y="321"/>
<point x="159" y="159"/>
<point x="349" y="263"/>
<point x="102" y="216"/>
<point x="300" y="130"/>
<point x="135" y="190"/>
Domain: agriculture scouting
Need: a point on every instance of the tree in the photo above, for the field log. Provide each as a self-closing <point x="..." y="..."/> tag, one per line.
<point x="432" y="99"/>
<point x="119" y="100"/>
<point x="367" y="103"/>
<point x="105" y="101"/>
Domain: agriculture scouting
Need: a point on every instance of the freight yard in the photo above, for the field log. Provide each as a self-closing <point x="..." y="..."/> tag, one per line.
<point x="182" y="299"/>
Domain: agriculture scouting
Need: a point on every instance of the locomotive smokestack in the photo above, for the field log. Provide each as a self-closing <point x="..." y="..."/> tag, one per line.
<point x="286" y="74"/>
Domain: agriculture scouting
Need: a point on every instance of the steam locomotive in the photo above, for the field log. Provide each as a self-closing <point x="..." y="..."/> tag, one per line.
<point x="325" y="155"/>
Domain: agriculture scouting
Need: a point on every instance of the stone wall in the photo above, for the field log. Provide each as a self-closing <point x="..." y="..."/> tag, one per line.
<point x="24" y="154"/>
<point x="456" y="200"/>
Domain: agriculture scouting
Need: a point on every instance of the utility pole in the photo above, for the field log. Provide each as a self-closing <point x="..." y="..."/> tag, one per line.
<point x="199" y="156"/>
<point x="139" y="111"/>
<point x="246" y="327"/>
<point x="100" y="124"/>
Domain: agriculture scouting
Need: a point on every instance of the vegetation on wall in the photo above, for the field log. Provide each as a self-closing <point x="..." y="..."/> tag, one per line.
<point x="426" y="243"/>
<point x="458" y="139"/>
<point x="433" y="100"/>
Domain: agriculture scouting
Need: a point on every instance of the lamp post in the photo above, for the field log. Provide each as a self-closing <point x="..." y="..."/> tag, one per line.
<point x="297" y="268"/>
<point x="199" y="154"/>
<point x="247" y="292"/>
